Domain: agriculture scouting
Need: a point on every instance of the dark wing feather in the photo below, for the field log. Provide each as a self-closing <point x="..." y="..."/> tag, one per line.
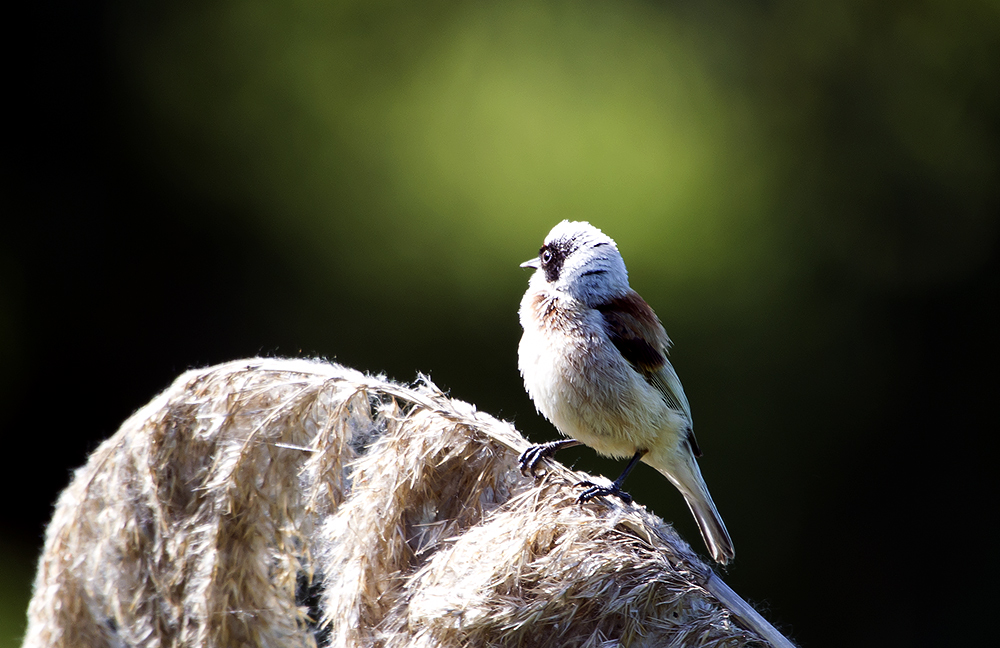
<point x="636" y="332"/>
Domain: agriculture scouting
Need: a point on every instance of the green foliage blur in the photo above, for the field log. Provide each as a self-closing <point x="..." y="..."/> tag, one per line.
<point x="806" y="192"/>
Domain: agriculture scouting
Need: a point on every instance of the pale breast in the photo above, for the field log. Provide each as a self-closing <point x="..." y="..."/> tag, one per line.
<point x="582" y="384"/>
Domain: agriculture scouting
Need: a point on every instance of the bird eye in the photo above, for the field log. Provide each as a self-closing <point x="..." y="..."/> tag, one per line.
<point x="546" y="256"/>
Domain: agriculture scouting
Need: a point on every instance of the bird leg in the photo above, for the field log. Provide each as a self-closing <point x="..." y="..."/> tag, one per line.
<point x="615" y="488"/>
<point x="528" y="461"/>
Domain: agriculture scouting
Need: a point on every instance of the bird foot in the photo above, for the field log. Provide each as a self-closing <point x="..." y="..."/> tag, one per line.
<point x="529" y="459"/>
<point x="594" y="490"/>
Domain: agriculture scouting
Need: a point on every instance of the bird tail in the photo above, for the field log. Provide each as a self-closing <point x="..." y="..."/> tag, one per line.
<point x="686" y="476"/>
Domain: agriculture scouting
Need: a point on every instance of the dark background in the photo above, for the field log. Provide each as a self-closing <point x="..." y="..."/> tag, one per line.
<point x="806" y="192"/>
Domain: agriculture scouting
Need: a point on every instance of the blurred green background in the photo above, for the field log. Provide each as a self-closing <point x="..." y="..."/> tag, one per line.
<point x="806" y="192"/>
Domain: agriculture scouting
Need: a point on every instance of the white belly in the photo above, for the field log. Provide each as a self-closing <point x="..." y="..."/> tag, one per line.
<point x="583" y="385"/>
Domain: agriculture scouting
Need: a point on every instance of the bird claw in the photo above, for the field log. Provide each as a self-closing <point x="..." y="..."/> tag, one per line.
<point x="595" y="490"/>
<point x="529" y="459"/>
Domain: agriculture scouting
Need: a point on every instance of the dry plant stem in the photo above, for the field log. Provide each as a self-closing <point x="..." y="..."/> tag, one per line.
<point x="204" y="520"/>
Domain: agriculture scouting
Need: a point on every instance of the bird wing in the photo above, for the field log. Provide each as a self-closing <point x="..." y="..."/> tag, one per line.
<point x="669" y="384"/>
<point x="637" y="333"/>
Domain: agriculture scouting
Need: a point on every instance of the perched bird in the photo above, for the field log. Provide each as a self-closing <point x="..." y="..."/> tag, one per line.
<point x="594" y="360"/>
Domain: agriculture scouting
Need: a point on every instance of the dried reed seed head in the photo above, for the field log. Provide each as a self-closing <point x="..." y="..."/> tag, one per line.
<point x="211" y="510"/>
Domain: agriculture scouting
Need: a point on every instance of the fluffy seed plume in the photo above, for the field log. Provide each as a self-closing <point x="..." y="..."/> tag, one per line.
<point x="294" y="503"/>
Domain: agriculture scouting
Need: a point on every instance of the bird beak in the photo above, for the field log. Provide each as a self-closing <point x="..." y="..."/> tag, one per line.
<point x="532" y="263"/>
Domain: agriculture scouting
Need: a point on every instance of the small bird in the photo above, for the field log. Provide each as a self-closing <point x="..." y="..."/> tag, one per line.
<point x="594" y="360"/>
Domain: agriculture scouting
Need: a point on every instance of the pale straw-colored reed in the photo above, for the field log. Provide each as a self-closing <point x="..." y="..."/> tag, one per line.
<point x="288" y="503"/>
